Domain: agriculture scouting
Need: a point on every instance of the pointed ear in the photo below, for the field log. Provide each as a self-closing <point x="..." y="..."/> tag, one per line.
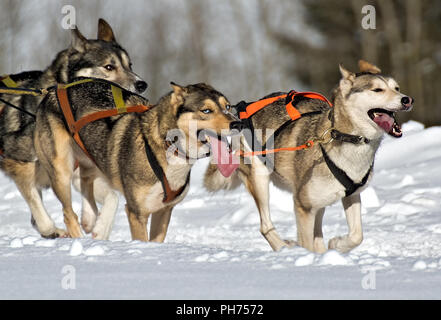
<point x="105" y="32"/>
<point x="346" y="81"/>
<point x="78" y="40"/>
<point x="346" y="74"/>
<point x="178" y="95"/>
<point x="368" y="67"/>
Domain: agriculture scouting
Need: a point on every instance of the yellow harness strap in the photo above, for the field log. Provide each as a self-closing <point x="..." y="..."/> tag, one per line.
<point x="65" y="86"/>
<point x="6" y="79"/>
<point x="118" y="99"/>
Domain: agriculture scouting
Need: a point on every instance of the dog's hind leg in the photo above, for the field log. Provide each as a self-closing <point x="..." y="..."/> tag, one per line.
<point x="138" y="225"/>
<point x="159" y="224"/>
<point x="352" y="206"/>
<point x="257" y="183"/>
<point x="40" y="219"/>
<point x="24" y="175"/>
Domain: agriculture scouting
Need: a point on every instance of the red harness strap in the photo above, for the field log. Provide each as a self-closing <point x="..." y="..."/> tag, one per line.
<point x="75" y="126"/>
<point x="258" y="105"/>
<point x="292" y="111"/>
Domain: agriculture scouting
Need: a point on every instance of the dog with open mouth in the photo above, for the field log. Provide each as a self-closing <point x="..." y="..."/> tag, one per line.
<point x="136" y="153"/>
<point x="336" y="166"/>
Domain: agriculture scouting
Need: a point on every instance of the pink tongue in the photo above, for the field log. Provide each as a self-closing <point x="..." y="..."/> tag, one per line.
<point x="226" y="162"/>
<point x="384" y="121"/>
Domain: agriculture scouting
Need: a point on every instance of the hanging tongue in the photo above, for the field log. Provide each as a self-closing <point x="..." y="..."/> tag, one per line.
<point x="226" y="162"/>
<point x="383" y="120"/>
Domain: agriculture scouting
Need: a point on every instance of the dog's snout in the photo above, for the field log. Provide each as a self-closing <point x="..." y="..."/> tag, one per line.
<point x="236" y="125"/>
<point x="140" y="86"/>
<point x="407" y="102"/>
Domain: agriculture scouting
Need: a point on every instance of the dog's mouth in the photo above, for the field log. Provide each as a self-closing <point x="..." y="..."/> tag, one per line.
<point x="386" y="120"/>
<point x="222" y="153"/>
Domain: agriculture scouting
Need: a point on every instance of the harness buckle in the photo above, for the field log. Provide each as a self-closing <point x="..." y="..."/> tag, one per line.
<point x="324" y="139"/>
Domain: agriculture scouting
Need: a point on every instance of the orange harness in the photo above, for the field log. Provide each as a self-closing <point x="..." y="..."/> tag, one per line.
<point x="75" y="126"/>
<point x="291" y="110"/>
<point x="293" y="113"/>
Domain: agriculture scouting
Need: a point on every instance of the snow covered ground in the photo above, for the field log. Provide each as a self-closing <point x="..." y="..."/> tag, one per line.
<point x="214" y="249"/>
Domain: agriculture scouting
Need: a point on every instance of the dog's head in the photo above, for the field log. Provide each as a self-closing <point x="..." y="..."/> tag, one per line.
<point x="371" y="100"/>
<point x="203" y="115"/>
<point x="103" y="58"/>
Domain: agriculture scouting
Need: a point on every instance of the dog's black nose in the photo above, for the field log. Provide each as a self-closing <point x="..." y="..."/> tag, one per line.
<point x="236" y="125"/>
<point x="407" y="101"/>
<point x="140" y="86"/>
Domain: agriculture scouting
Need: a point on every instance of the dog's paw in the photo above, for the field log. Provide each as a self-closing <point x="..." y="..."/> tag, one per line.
<point x="75" y="231"/>
<point x="57" y="233"/>
<point x="87" y="226"/>
<point x="88" y="222"/>
<point x="99" y="235"/>
<point x="290" y="243"/>
<point x="343" y="244"/>
<point x="333" y="243"/>
<point x="101" y="231"/>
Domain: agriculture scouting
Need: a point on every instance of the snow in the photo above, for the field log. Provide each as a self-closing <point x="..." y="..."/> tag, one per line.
<point x="214" y="250"/>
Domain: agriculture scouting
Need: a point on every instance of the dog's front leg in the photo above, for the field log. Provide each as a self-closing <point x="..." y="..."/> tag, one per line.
<point x="138" y="225"/>
<point x="352" y="205"/>
<point x="109" y="199"/>
<point x="89" y="211"/>
<point x="159" y="224"/>
<point x="305" y="220"/>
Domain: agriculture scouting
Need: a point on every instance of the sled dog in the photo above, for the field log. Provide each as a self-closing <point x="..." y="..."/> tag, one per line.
<point x="101" y="58"/>
<point x="336" y="165"/>
<point x="129" y="150"/>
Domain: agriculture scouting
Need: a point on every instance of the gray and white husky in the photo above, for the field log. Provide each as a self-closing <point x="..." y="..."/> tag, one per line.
<point x="337" y="167"/>
<point x="101" y="58"/>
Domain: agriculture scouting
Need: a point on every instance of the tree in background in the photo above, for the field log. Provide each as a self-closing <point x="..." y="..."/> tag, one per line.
<point x="405" y="43"/>
<point x="247" y="49"/>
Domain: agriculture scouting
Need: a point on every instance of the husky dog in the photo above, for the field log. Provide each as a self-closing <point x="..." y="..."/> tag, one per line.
<point x="339" y="164"/>
<point x="101" y="58"/>
<point x="130" y="150"/>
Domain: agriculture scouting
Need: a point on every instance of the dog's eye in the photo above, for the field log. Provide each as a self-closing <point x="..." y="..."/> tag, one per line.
<point x="228" y="107"/>
<point x="109" y="67"/>
<point x="378" y="90"/>
<point x="397" y="89"/>
<point x="206" y="111"/>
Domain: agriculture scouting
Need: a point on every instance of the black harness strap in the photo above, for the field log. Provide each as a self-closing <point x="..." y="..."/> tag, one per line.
<point x="249" y="134"/>
<point x="342" y="177"/>
<point x="285" y="125"/>
<point x="18" y="108"/>
<point x="169" y="195"/>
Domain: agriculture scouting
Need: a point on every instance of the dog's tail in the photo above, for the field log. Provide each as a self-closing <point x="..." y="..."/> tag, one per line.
<point x="215" y="181"/>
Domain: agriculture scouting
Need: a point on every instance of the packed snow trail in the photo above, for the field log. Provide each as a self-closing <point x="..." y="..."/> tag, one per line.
<point x="214" y="249"/>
